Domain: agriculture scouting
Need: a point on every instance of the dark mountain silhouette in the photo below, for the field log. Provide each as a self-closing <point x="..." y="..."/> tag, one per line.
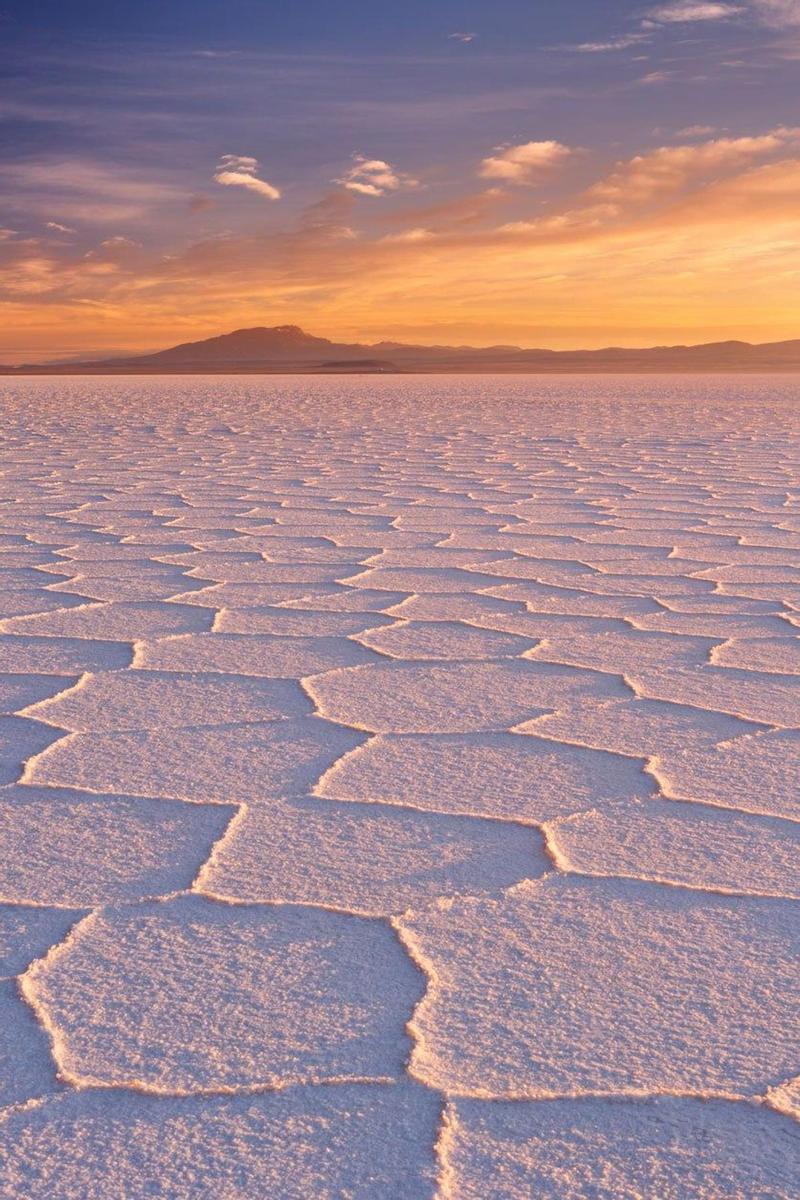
<point x="287" y="348"/>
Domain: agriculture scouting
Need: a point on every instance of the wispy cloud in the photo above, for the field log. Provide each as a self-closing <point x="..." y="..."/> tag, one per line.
<point x="240" y="170"/>
<point x="524" y="163"/>
<point x="374" y="177"/>
<point x="462" y="37"/>
<point x="86" y="190"/>
<point x="622" y="42"/>
<point x="780" y="14"/>
<point x="690" y="10"/>
<point x="57" y="227"/>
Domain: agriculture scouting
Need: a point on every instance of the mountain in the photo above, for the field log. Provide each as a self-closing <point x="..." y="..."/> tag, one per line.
<point x="288" y="349"/>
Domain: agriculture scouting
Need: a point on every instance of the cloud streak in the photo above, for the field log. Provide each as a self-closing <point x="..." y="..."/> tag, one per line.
<point x="690" y="10"/>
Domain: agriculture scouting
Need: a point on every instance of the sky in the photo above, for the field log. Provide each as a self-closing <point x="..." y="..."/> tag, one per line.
<point x="572" y="174"/>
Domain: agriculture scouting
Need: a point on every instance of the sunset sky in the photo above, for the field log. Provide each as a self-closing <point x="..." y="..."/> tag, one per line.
<point x="565" y="174"/>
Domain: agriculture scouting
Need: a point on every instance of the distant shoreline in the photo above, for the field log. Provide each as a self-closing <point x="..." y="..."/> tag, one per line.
<point x="722" y="369"/>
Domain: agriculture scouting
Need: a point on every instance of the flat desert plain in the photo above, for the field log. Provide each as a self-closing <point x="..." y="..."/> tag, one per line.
<point x="399" y="788"/>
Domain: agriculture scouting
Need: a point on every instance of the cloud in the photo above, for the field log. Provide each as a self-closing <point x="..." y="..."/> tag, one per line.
<point x="623" y="42"/>
<point x="58" y="228"/>
<point x="523" y="163"/>
<point x="410" y="235"/>
<point x="780" y="14"/>
<point x="5" y="234"/>
<point x="462" y="37"/>
<point x="689" y="10"/>
<point x="693" y="131"/>
<point x="240" y="170"/>
<point x="669" y="168"/>
<point x="374" y="177"/>
<point x="85" y="190"/>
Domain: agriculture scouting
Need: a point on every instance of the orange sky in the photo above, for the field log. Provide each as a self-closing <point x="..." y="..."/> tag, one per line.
<point x="579" y="228"/>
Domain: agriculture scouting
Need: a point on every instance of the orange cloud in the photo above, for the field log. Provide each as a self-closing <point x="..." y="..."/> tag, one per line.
<point x="524" y="163"/>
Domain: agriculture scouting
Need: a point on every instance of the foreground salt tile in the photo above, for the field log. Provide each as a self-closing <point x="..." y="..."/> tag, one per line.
<point x="222" y="569"/>
<point x="127" y="588"/>
<point x="27" y="932"/>
<point x="191" y="995"/>
<point x="599" y="985"/>
<point x="119" y="700"/>
<point x="26" y="1068"/>
<point x="236" y="763"/>
<point x="452" y="697"/>
<point x="666" y="1148"/>
<point x="443" y="640"/>
<point x="245" y="595"/>
<point x="785" y="1097"/>
<point x="770" y="698"/>
<point x="757" y="773"/>
<point x="21" y="740"/>
<point x="129" y="620"/>
<point x="501" y="775"/>
<point x="457" y="606"/>
<point x="365" y="600"/>
<point x="73" y="848"/>
<point x="61" y="655"/>
<point x="682" y="843"/>
<point x="774" y="655"/>
<point x="354" y="1141"/>
<point x="27" y="601"/>
<point x="639" y="727"/>
<point x="421" y="580"/>
<point x="623" y="652"/>
<point x="368" y="858"/>
<point x="251" y="654"/>
<point x="569" y="601"/>
<point x="21" y="689"/>
<point x="716" y="625"/>
<point x="288" y="622"/>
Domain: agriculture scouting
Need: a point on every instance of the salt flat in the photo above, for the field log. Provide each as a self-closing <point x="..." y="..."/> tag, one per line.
<point x="399" y="788"/>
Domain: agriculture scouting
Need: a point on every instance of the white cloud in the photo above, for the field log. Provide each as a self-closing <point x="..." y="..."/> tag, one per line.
<point x="240" y="170"/>
<point x="374" y="177"/>
<point x="462" y="37"/>
<point x="58" y="228"/>
<point x="523" y="163"/>
<point x="623" y="42"/>
<point x="5" y="234"/>
<point x="690" y="10"/>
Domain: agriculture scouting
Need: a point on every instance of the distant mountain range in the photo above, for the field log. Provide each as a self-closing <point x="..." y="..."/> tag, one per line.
<point x="288" y="349"/>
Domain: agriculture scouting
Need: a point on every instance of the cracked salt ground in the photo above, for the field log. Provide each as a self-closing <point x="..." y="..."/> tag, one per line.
<point x="570" y="1150"/>
<point x="399" y="789"/>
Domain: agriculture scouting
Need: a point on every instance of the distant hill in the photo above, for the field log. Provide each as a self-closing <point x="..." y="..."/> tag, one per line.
<point x="288" y="349"/>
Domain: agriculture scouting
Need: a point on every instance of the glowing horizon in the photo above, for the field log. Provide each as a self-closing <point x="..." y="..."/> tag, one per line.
<point x="572" y="179"/>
